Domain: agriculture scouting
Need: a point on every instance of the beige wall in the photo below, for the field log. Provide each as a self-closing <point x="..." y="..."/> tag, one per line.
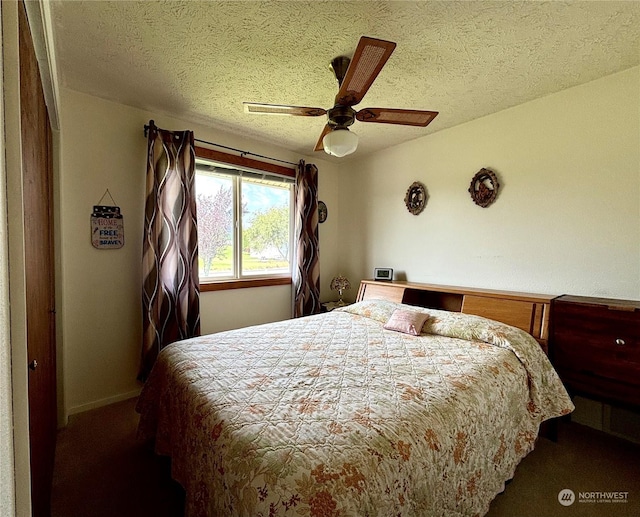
<point x="103" y="147"/>
<point x="7" y="495"/>
<point x="567" y="218"/>
<point x="7" y="492"/>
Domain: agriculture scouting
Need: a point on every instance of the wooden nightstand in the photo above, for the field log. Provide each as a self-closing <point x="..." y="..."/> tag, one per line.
<point x="595" y="348"/>
<point x="329" y="306"/>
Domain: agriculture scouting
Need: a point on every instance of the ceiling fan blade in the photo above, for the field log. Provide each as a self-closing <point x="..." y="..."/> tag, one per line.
<point x="275" y="109"/>
<point x="319" y="144"/>
<point x="369" y="58"/>
<point x="396" y="116"/>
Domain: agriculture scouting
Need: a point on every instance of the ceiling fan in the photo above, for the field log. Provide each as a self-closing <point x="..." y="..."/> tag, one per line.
<point x="355" y="77"/>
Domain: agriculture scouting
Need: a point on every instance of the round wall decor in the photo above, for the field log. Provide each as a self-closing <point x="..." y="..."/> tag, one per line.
<point x="416" y="197"/>
<point x="322" y="212"/>
<point x="484" y="188"/>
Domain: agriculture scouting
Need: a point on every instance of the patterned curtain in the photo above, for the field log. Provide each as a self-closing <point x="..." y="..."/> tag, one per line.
<point x="170" y="291"/>
<point x="306" y="270"/>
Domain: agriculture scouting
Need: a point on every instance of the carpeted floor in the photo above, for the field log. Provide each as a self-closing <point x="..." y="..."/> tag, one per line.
<point x="101" y="470"/>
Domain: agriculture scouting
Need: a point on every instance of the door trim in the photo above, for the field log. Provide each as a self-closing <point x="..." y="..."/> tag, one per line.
<point x="17" y="289"/>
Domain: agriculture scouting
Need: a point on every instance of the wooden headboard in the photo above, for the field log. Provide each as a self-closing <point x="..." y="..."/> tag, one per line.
<point x="529" y="312"/>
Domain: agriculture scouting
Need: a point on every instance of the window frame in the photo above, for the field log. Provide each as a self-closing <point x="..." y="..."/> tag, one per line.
<point x="251" y="163"/>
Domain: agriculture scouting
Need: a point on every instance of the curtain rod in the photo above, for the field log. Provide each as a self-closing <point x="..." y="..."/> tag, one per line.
<point x="242" y="153"/>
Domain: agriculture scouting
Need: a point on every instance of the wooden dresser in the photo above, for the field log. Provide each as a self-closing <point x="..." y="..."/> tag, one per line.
<point x="596" y="348"/>
<point x="530" y="312"/>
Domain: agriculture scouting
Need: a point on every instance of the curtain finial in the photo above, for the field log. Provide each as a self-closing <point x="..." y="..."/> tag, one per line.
<point x="147" y="127"/>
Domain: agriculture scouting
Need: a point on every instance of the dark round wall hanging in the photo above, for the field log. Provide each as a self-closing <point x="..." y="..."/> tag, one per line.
<point x="484" y="188"/>
<point x="322" y="212"/>
<point x="416" y="198"/>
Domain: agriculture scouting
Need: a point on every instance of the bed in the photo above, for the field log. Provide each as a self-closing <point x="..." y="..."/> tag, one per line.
<point x="334" y="415"/>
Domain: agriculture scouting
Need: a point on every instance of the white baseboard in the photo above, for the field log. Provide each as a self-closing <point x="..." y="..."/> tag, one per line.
<point x="102" y="402"/>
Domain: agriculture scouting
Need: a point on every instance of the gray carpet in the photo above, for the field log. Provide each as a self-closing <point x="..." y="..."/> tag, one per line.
<point x="582" y="460"/>
<point x="101" y="470"/>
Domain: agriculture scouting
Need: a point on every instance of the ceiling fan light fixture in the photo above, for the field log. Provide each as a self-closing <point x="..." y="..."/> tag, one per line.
<point x="355" y="76"/>
<point x="340" y="142"/>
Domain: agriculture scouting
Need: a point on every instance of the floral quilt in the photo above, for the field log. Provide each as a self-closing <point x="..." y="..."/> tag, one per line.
<point x="334" y="416"/>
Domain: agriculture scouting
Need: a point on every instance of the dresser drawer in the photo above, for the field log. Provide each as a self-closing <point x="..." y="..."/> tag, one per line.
<point x="599" y="338"/>
<point x="598" y="362"/>
<point x="597" y="322"/>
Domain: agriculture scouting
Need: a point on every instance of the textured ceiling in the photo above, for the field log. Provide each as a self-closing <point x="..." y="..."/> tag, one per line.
<point x="200" y="60"/>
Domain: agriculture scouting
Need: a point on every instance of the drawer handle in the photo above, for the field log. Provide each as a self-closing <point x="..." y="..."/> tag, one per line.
<point x="620" y="342"/>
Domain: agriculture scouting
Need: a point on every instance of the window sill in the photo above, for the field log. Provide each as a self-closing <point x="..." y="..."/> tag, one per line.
<point x="244" y="284"/>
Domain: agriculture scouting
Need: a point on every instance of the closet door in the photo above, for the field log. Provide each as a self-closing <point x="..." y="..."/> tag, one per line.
<point x="39" y="271"/>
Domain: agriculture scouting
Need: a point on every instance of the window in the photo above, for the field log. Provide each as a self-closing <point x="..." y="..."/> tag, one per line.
<point x="244" y="224"/>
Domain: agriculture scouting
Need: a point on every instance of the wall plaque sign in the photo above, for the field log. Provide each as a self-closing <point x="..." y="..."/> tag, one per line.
<point x="107" y="226"/>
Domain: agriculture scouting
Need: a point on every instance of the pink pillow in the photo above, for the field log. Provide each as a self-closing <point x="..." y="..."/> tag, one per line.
<point x="409" y="322"/>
